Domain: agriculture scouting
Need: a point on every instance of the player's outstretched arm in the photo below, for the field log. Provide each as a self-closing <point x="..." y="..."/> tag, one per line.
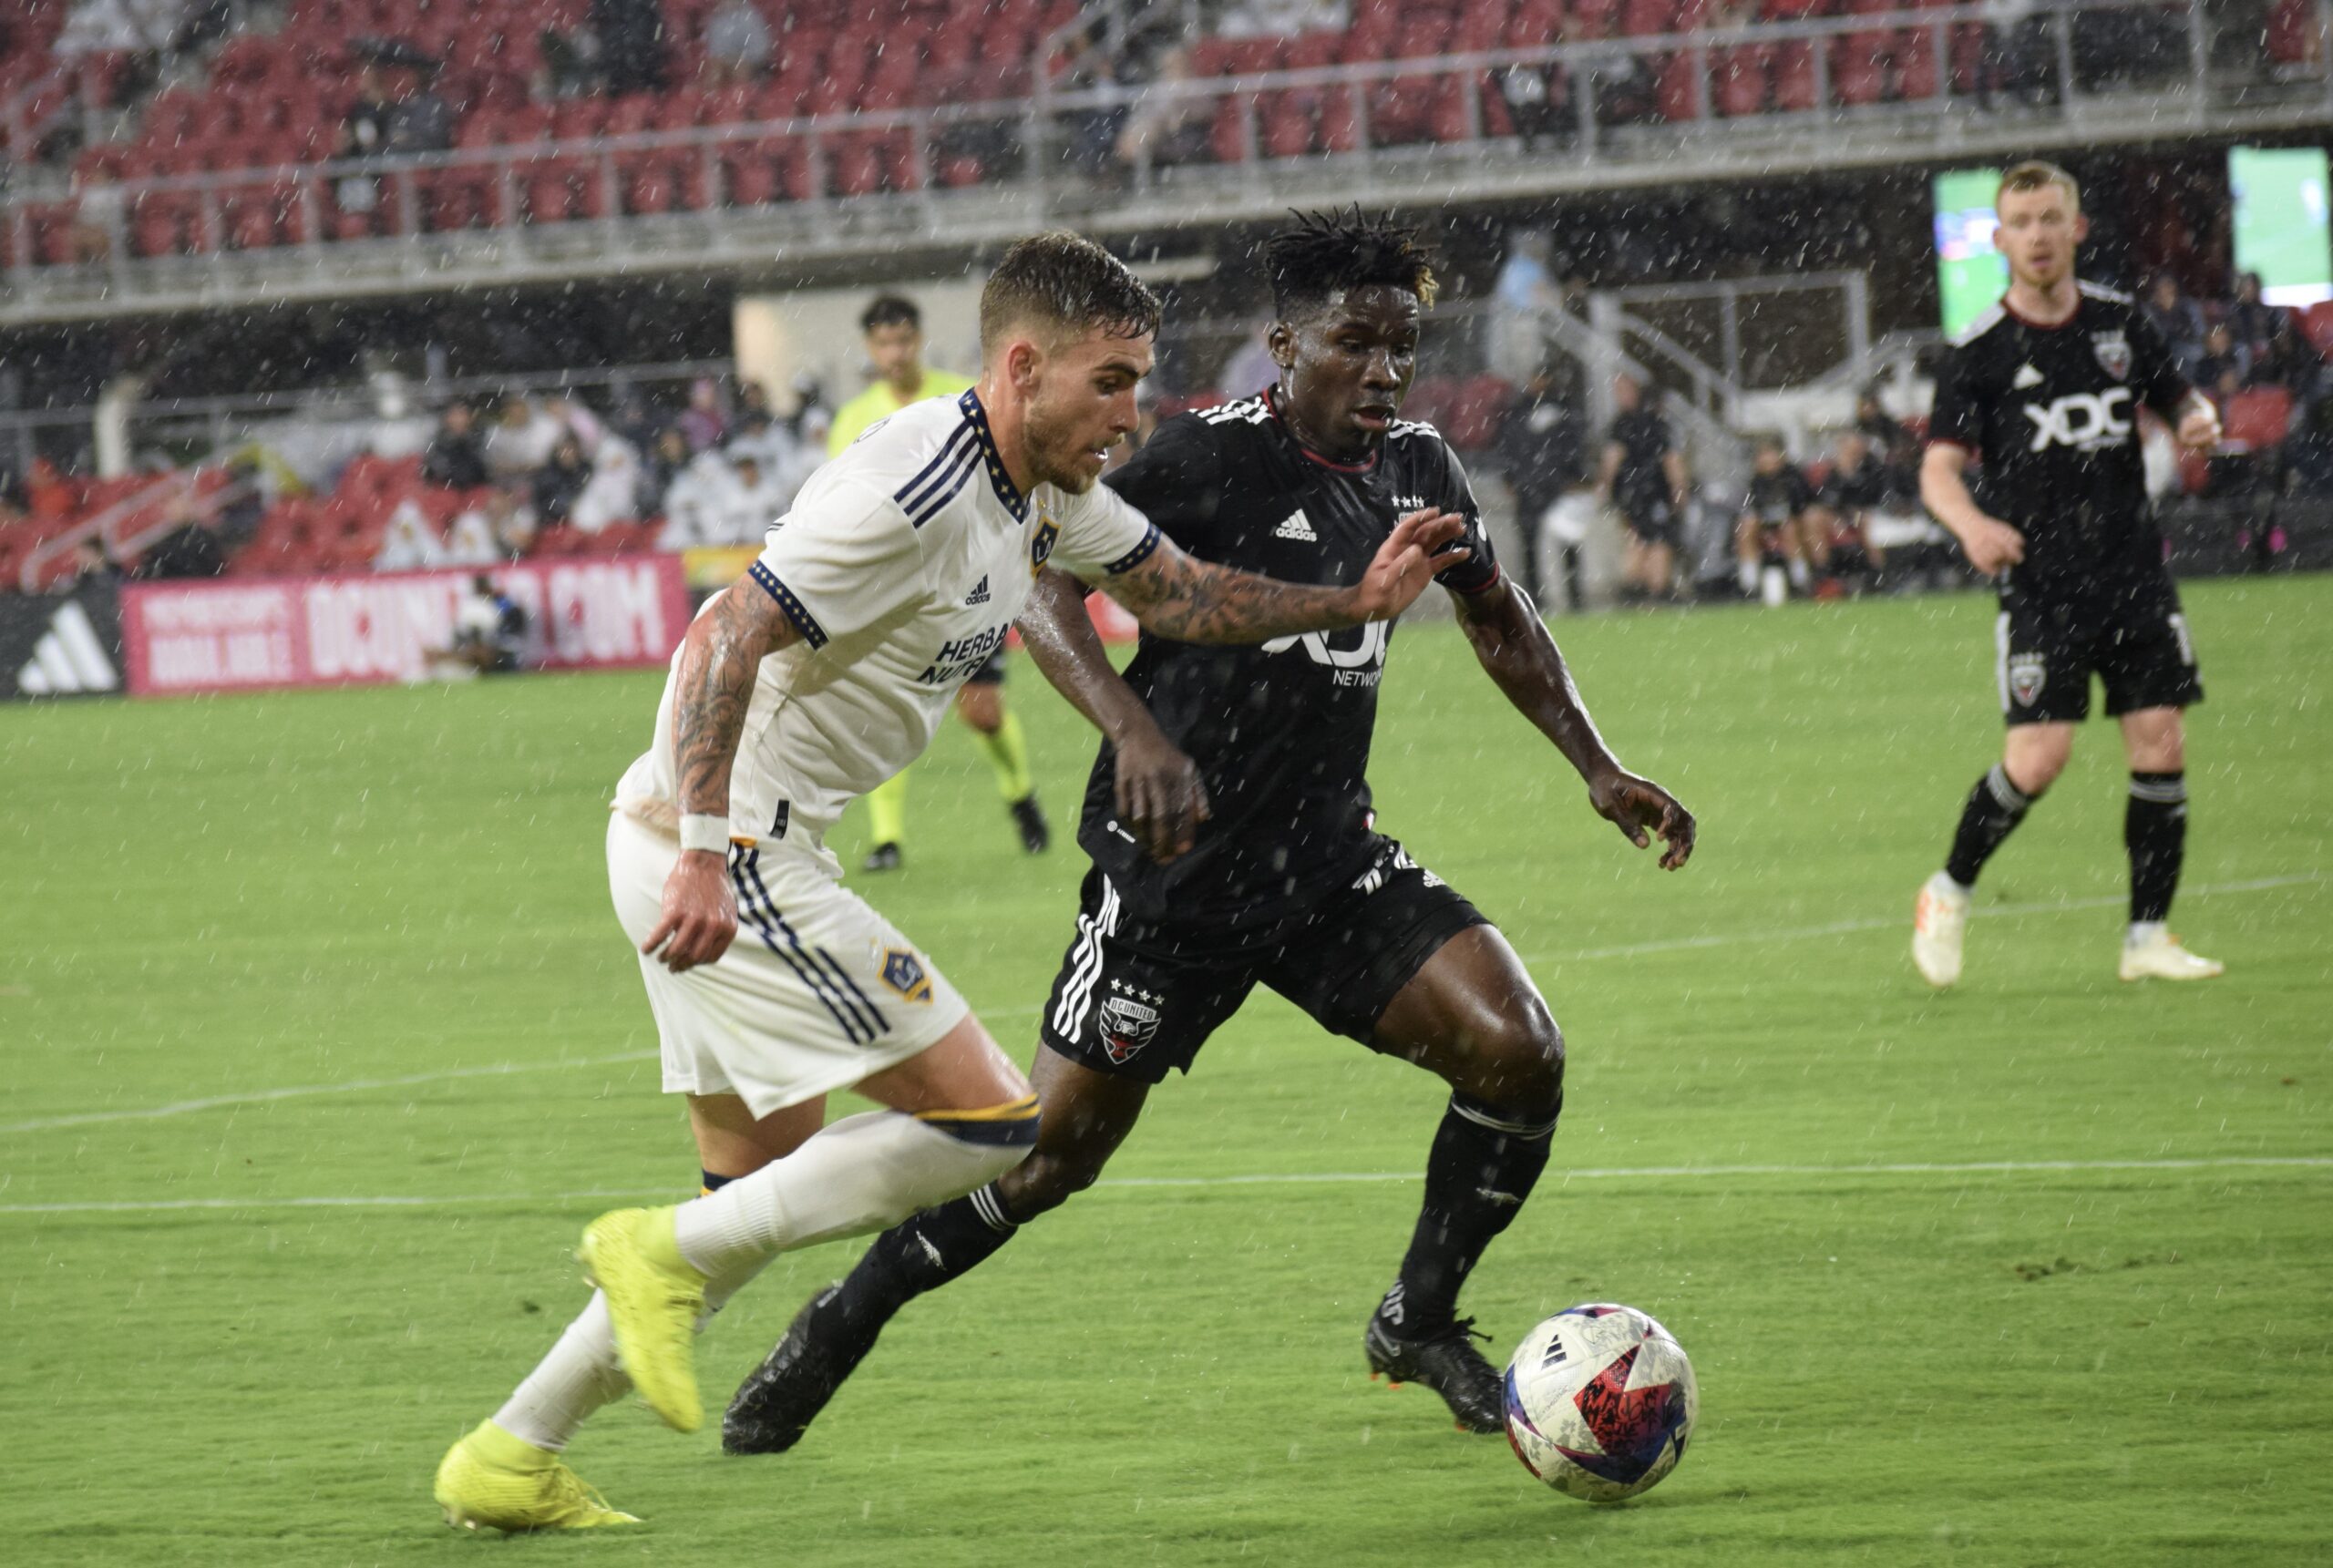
<point x="1513" y="645"/>
<point x="719" y="660"/>
<point x="1160" y="799"/>
<point x="1192" y="600"/>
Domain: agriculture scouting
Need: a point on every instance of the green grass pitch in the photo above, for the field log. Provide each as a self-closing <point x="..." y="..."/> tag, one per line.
<point x="321" y="1045"/>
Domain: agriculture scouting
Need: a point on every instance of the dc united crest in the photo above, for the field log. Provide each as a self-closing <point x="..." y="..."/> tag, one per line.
<point x="2027" y="674"/>
<point x="2114" y="351"/>
<point x="1128" y="1020"/>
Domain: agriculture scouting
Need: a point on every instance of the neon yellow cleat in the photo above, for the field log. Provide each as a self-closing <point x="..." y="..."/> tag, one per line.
<point x="502" y="1482"/>
<point x="654" y="1298"/>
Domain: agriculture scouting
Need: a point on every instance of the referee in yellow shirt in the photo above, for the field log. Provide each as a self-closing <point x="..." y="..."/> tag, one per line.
<point x="894" y="338"/>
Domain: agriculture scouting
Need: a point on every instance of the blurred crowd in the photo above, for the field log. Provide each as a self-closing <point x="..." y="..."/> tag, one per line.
<point x="717" y="470"/>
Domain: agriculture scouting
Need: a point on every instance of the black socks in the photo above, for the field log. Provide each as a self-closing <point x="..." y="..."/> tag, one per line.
<point x="920" y="1252"/>
<point x="1995" y="808"/>
<point x="1482" y="1165"/>
<point x="2155" y="830"/>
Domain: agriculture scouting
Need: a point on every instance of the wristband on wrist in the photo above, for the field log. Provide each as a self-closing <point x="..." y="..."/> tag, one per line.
<point x="708" y="833"/>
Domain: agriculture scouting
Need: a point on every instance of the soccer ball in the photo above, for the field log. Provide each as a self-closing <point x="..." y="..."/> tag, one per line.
<point x="1599" y="1402"/>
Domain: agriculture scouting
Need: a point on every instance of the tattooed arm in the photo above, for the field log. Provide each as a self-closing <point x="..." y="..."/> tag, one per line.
<point x="1192" y="600"/>
<point x="719" y="660"/>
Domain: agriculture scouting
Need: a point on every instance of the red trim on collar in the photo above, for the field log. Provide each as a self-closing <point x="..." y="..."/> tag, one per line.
<point x="1272" y="402"/>
<point x="2025" y="320"/>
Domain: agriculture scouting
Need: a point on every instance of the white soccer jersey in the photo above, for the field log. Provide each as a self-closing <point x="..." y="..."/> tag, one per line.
<point x="902" y="565"/>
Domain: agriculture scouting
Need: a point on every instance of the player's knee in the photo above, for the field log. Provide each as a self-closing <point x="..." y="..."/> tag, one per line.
<point x="992" y="1142"/>
<point x="1517" y="1060"/>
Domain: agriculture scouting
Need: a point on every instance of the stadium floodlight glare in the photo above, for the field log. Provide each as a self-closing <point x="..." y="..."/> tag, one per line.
<point x="2282" y="230"/>
<point x="1971" y="274"/>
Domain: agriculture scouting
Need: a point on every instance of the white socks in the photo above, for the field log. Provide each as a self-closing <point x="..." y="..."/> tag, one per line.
<point x="864" y="1173"/>
<point x="581" y="1376"/>
<point x="2142" y="932"/>
<point x="1944" y="887"/>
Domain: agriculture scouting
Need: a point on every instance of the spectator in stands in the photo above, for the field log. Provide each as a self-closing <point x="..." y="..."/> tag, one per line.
<point x="521" y="440"/>
<point x="1769" y="529"/>
<point x="2180" y="320"/>
<point x="2308" y="449"/>
<point x="1855" y="487"/>
<point x="1538" y="100"/>
<point x="571" y="61"/>
<point x="131" y="26"/>
<point x="188" y="550"/>
<point x="409" y="543"/>
<point x="668" y="458"/>
<point x="737" y="44"/>
<point x="723" y="499"/>
<point x="1090" y="134"/>
<point x="558" y="482"/>
<point x="1169" y="123"/>
<point x="2278" y="355"/>
<point x="1881" y="428"/>
<point x="612" y="493"/>
<point x="2225" y="359"/>
<point x="420" y="122"/>
<point x="501" y="528"/>
<point x="701" y="421"/>
<point x="93" y="566"/>
<point x="364" y="133"/>
<point x="455" y="459"/>
<point x="631" y="43"/>
<point x="1643" y="477"/>
<point x="1542" y="451"/>
<point x="98" y="214"/>
<point x="1524" y="290"/>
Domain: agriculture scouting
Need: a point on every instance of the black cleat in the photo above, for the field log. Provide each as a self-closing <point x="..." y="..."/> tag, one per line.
<point x="882" y="857"/>
<point x="1446" y="1361"/>
<point x="779" y="1399"/>
<point x="1036" y="834"/>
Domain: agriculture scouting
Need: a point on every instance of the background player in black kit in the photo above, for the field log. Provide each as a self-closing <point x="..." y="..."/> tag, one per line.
<point x="1285" y="882"/>
<point x="2044" y="390"/>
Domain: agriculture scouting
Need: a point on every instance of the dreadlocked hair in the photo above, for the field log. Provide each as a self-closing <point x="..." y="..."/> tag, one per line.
<point x="1328" y="252"/>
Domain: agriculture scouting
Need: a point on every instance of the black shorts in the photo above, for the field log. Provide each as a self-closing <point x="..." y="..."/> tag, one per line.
<point x="990" y="673"/>
<point x="1652" y="518"/>
<point x="1135" y="1001"/>
<point x="2136" y="642"/>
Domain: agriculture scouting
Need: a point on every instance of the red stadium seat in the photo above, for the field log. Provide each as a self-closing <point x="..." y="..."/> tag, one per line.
<point x="2316" y="327"/>
<point x="1674" y="92"/>
<point x="1794" y="73"/>
<point x="1859" y="68"/>
<point x="2257" y="417"/>
<point x="1916" y="69"/>
<point x="1738" y="85"/>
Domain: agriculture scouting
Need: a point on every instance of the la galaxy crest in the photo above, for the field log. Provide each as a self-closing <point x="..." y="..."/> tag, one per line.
<point x="905" y="973"/>
<point x="1041" y="543"/>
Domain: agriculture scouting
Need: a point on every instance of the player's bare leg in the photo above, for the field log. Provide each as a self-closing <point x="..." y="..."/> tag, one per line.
<point x="959" y="1114"/>
<point x="2033" y="756"/>
<point x="1088" y="1115"/>
<point x="980" y="704"/>
<point x="2154" y="833"/>
<point x="1473" y="1017"/>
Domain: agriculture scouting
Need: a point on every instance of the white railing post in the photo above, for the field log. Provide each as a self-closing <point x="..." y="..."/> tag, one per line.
<point x="2062" y="37"/>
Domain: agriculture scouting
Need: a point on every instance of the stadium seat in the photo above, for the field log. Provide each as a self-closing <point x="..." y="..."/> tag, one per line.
<point x="1917" y="78"/>
<point x="2257" y="417"/>
<point x="1738" y="78"/>
<point x="1859" y="68"/>
<point x="1793" y="75"/>
<point x="2316" y="327"/>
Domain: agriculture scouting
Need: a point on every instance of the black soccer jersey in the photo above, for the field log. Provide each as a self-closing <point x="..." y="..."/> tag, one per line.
<point x="1281" y="733"/>
<point x="2051" y="414"/>
<point x="1775" y="498"/>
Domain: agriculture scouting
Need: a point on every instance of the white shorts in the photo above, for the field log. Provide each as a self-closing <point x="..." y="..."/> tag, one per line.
<point x="817" y="993"/>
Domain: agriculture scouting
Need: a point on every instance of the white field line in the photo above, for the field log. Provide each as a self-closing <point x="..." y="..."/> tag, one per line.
<point x="1849" y="927"/>
<point x="1625" y="950"/>
<point x="1585" y="1173"/>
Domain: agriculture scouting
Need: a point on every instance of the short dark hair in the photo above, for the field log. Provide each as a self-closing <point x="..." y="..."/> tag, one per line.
<point x="1328" y="252"/>
<point x="1069" y="285"/>
<point x="891" y="310"/>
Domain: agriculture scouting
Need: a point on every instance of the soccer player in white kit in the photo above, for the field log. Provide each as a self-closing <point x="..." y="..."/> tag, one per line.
<point x="820" y="674"/>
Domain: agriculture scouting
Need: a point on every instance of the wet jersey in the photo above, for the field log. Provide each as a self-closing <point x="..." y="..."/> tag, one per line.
<point x="1775" y="498"/>
<point x="900" y="567"/>
<point x="2051" y="414"/>
<point x="1281" y="733"/>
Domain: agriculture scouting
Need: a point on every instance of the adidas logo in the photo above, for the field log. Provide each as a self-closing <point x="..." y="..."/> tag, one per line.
<point x="1298" y="526"/>
<point x="978" y="594"/>
<point x="68" y="660"/>
<point x="2026" y="377"/>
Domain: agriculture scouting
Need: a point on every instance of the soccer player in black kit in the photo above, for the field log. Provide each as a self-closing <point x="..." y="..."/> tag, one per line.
<point x="1285" y="882"/>
<point x="2044" y="389"/>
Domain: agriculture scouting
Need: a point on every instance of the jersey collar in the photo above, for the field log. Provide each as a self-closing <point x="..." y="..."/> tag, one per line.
<point x="1002" y="482"/>
<point x="1271" y="402"/>
<point x="2013" y="313"/>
